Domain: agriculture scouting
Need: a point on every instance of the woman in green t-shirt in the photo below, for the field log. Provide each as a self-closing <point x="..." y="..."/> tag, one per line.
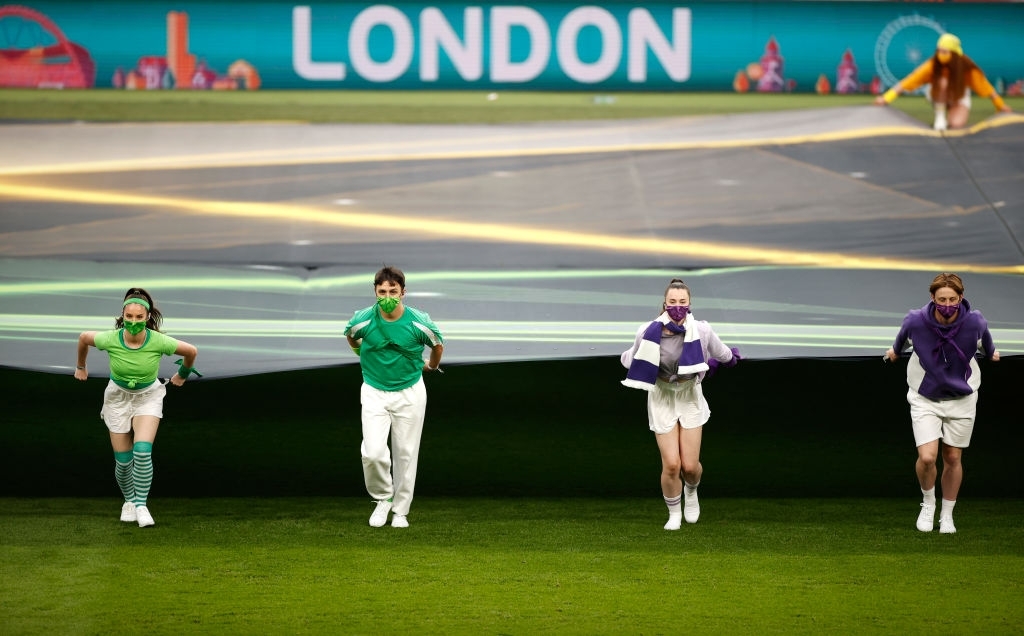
<point x="133" y="400"/>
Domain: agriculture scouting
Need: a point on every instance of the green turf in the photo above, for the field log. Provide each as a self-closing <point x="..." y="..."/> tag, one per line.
<point x="415" y="107"/>
<point x="508" y="566"/>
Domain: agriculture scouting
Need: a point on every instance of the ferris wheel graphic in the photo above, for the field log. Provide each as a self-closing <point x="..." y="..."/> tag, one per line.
<point x="34" y="53"/>
<point x="903" y="45"/>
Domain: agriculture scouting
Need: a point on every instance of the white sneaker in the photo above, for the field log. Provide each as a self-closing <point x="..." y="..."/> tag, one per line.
<point x="926" y="520"/>
<point x="691" y="507"/>
<point x="399" y="521"/>
<point x="380" y="514"/>
<point x="946" y="525"/>
<point x="128" y="512"/>
<point x="940" y="122"/>
<point x="674" y="521"/>
<point x="145" y="519"/>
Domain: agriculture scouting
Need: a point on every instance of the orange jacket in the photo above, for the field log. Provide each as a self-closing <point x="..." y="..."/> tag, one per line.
<point x="976" y="80"/>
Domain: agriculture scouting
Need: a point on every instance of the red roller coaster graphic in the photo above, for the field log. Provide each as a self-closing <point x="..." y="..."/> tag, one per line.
<point x="40" y="65"/>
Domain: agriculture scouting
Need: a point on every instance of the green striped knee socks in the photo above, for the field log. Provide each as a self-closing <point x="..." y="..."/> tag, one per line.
<point x="142" y="471"/>
<point x="123" y="474"/>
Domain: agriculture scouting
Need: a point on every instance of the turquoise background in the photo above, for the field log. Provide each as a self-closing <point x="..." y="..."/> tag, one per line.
<point x="726" y="37"/>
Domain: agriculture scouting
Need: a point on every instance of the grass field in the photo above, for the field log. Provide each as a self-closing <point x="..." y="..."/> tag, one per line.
<point x="532" y="516"/>
<point x="407" y="107"/>
<point x="508" y="566"/>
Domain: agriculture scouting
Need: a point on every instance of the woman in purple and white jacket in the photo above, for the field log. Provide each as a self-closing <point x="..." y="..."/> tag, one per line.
<point x="944" y="379"/>
<point x="669" y="359"/>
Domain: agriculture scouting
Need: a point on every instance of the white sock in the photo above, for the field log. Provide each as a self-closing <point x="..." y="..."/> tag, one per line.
<point x="691" y="488"/>
<point x="947" y="509"/>
<point x="940" y="117"/>
<point x="674" y="505"/>
<point x="929" y="496"/>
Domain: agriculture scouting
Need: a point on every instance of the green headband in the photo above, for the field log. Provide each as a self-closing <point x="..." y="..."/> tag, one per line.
<point x="137" y="301"/>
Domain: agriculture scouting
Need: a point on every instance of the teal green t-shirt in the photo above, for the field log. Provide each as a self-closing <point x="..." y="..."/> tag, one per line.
<point x="391" y="355"/>
<point x="135" y="368"/>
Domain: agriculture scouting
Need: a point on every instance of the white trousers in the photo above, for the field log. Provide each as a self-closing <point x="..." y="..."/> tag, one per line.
<point x="400" y="414"/>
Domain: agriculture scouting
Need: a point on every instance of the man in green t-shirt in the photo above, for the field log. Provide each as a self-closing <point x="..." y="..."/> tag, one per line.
<point x="389" y="337"/>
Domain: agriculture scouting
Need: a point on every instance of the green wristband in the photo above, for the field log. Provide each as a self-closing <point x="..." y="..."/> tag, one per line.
<point x="184" y="372"/>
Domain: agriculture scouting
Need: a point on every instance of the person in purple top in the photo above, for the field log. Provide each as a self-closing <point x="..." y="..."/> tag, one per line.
<point x="944" y="379"/>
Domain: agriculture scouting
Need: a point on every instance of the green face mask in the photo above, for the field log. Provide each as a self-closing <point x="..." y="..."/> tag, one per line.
<point x="387" y="304"/>
<point x="134" y="328"/>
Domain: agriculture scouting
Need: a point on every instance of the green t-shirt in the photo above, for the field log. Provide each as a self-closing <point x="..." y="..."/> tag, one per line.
<point x="135" y="368"/>
<point x="391" y="355"/>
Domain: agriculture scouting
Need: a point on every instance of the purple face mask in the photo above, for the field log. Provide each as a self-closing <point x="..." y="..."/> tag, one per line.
<point x="677" y="312"/>
<point x="948" y="311"/>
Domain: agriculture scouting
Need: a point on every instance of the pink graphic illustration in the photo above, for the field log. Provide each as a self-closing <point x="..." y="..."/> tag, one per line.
<point x="846" y="75"/>
<point x="771" y="80"/>
<point x="35" y="53"/>
<point x="178" y="69"/>
<point x="766" y="73"/>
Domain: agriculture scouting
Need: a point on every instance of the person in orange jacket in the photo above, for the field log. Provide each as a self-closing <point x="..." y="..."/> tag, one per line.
<point x="952" y="76"/>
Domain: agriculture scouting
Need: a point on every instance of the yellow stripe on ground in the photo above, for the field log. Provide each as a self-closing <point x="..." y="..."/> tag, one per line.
<point x="492" y="232"/>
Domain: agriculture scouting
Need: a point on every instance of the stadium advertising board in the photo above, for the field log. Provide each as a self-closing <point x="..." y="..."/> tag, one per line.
<point x="652" y="46"/>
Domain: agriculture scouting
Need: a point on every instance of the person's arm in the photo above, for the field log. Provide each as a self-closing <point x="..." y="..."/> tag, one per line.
<point x="354" y="343"/>
<point x="981" y="86"/>
<point x="719" y="351"/>
<point x="626" y="358"/>
<point x="893" y="354"/>
<point x="987" y="346"/>
<point x="917" y="78"/>
<point x="85" y="340"/>
<point x="434" y="363"/>
<point x="188" y="352"/>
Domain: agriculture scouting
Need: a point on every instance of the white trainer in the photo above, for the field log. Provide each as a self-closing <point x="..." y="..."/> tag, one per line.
<point x="674" y="521"/>
<point x="399" y="521"/>
<point x="128" y="512"/>
<point x="926" y="520"/>
<point x="946" y="525"/>
<point x="380" y="514"/>
<point x="940" y="122"/>
<point x="145" y="519"/>
<point x="691" y="507"/>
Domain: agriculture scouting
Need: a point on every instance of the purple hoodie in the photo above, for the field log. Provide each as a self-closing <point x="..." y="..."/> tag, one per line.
<point x="942" y="365"/>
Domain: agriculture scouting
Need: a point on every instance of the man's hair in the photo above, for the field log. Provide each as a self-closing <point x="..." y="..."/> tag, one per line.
<point x="389" y="274"/>
<point x="947" y="279"/>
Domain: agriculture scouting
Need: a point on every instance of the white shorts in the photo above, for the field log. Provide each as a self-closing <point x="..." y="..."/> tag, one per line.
<point x="952" y="421"/>
<point x="121" y="405"/>
<point x="671" y="403"/>
<point x="965" y="101"/>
